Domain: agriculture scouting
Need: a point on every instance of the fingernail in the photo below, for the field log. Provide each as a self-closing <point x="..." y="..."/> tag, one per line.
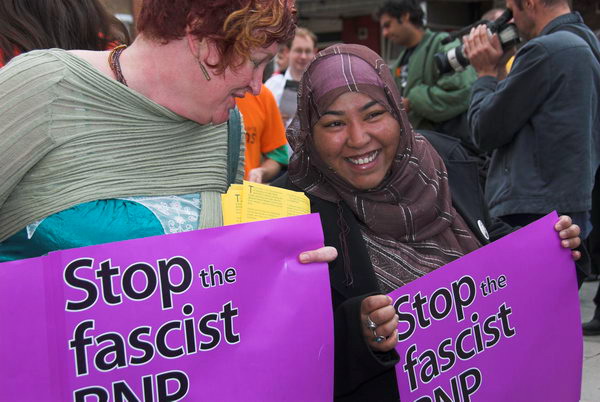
<point x="303" y="257"/>
<point x="565" y="243"/>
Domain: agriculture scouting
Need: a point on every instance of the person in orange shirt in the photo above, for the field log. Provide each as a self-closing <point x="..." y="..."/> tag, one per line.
<point x="266" y="151"/>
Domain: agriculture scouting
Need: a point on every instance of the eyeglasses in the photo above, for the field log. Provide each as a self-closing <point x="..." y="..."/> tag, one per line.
<point x="302" y="51"/>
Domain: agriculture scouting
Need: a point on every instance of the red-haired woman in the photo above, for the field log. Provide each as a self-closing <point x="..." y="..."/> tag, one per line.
<point x="101" y="146"/>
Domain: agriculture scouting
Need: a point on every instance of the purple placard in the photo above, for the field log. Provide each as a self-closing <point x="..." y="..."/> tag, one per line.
<point x="152" y="318"/>
<point x="505" y="325"/>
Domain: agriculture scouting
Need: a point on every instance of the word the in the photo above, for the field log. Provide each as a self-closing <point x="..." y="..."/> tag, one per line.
<point x="490" y="286"/>
<point x="215" y="277"/>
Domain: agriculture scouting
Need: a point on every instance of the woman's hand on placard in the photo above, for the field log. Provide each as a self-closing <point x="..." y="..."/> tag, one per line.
<point x="379" y="322"/>
<point x="323" y="254"/>
<point x="569" y="235"/>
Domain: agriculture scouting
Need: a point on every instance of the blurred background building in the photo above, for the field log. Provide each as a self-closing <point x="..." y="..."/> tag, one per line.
<point x="351" y="21"/>
<point x="125" y="10"/>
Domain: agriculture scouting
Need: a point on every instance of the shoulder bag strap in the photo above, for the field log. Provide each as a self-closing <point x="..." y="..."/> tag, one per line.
<point x="428" y="49"/>
<point x="234" y="135"/>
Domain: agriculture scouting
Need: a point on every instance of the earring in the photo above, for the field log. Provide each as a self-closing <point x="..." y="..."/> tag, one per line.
<point x="204" y="70"/>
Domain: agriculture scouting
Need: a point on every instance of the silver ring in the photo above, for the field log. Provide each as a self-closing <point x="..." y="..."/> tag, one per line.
<point x="370" y="323"/>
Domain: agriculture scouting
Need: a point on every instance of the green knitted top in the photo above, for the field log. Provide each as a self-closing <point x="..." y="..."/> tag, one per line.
<point x="69" y="135"/>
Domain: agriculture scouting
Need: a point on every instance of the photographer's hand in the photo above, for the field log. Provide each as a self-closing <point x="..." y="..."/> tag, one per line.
<point x="484" y="53"/>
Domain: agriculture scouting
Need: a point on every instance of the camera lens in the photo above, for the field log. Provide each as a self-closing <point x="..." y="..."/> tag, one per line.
<point x="441" y="61"/>
<point x="452" y="60"/>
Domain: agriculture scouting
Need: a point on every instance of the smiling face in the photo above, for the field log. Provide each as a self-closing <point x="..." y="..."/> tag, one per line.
<point x="396" y="30"/>
<point x="358" y="139"/>
<point x="221" y="90"/>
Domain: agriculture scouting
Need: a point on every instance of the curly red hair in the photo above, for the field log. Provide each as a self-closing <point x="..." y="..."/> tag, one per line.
<point x="235" y="26"/>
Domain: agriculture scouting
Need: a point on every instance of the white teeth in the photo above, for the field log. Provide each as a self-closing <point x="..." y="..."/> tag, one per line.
<point x="362" y="161"/>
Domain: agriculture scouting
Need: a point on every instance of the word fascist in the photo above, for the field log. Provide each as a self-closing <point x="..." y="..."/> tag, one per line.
<point x="112" y="352"/>
<point x="481" y="337"/>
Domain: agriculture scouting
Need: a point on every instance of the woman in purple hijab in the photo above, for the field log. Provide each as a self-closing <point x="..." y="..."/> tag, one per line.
<point x="386" y="204"/>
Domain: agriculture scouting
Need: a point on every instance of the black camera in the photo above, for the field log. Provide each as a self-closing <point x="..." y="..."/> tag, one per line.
<point x="455" y="60"/>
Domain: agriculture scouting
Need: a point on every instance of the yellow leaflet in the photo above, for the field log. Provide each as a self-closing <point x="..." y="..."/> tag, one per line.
<point x="261" y="202"/>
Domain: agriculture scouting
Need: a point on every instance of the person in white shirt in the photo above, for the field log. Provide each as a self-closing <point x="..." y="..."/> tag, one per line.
<point x="302" y="49"/>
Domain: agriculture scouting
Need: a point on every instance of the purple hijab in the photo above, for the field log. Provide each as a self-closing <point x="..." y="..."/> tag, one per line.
<point x="408" y="221"/>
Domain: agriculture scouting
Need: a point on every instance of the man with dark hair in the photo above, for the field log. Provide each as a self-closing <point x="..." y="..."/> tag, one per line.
<point x="431" y="100"/>
<point x="543" y="118"/>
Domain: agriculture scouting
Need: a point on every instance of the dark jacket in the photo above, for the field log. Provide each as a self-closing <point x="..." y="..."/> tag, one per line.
<point x="543" y="120"/>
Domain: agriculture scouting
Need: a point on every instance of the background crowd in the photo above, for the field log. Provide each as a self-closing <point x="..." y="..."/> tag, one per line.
<point x="104" y="138"/>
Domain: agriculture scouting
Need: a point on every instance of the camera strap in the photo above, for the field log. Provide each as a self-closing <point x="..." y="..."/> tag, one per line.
<point x="428" y="49"/>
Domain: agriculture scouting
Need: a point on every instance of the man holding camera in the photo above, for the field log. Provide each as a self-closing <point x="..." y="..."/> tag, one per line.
<point x="543" y="118"/>
<point x="431" y="100"/>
